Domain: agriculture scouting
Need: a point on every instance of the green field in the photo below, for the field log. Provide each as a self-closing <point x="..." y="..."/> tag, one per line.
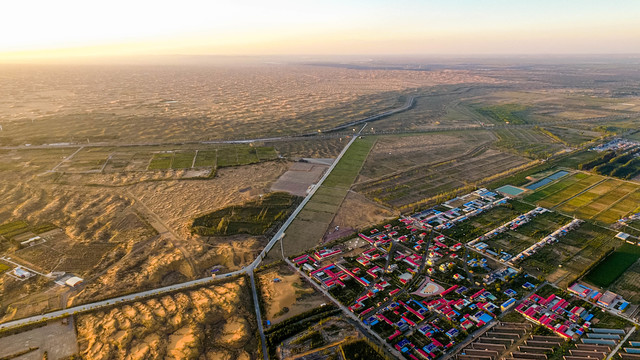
<point x="345" y="173"/>
<point x="486" y="221"/>
<point x="310" y="225"/>
<point x="14" y="228"/>
<point x="360" y="350"/>
<point x="161" y="161"/>
<point x="589" y="197"/>
<point x="572" y="254"/>
<point x="255" y="217"/>
<point x="532" y="143"/>
<point x="505" y="113"/>
<point x="614" y="265"/>
<point x="221" y="157"/>
<point x="182" y="159"/>
<point x="4" y="268"/>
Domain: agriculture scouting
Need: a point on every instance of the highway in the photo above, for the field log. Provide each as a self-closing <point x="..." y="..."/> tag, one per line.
<point x="249" y="270"/>
<point x="302" y="136"/>
<point x="112" y="301"/>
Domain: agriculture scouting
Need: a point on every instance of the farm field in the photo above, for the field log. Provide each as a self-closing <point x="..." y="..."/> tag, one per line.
<point x="254" y="217"/>
<point x="393" y="154"/>
<point x="614" y="265"/>
<point x="515" y="241"/>
<point x="571" y="136"/>
<point x="404" y="189"/>
<point x="311" y="224"/>
<point x="628" y="283"/>
<point x="486" y="221"/>
<point x="529" y="142"/>
<point x="589" y="197"/>
<point x="217" y="321"/>
<point x="563" y="261"/>
<point x="505" y="113"/>
<point x="158" y="157"/>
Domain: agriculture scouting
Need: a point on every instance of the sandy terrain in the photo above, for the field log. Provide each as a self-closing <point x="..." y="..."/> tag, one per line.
<point x="178" y="202"/>
<point x="196" y="102"/>
<point x="111" y="231"/>
<point x="291" y="292"/>
<point x="298" y="177"/>
<point x="215" y="322"/>
<point x="56" y="338"/>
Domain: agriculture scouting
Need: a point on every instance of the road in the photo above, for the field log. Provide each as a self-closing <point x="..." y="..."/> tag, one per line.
<point x="617" y="348"/>
<point x="346" y="311"/>
<point x="112" y="301"/>
<point x="302" y="136"/>
<point x="249" y="270"/>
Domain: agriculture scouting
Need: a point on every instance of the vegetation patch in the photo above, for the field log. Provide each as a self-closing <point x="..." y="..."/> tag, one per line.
<point x="624" y="165"/>
<point x="614" y="265"/>
<point x="254" y="217"/>
<point x="292" y="326"/>
<point x="506" y="113"/>
<point x="533" y="143"/>
<point x="12" y="229"/>
<point x="361" y="350"/>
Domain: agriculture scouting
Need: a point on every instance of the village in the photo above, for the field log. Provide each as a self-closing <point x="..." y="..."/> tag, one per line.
<point x="426" y="293"/>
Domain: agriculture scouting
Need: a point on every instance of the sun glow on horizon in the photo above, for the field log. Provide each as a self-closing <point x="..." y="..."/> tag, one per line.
<point x="71" y="28"/>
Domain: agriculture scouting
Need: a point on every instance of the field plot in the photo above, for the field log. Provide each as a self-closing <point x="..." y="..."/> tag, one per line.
<point x="32" y="161"/>
<point x="285" y="294"/>
<point x="312" y="222"/>
<point x="556" y="193"/>
<point x="486" y="221"/>
<point x="515" y="241"/>
<point x="570" y="136"/>
<point x="529" y="142"/>
<point x="404" y="188"/>
<point x="254" y="217"/>
<point x="505" y="113"/>
<point x="599" y="207"/>
<point x="628" y="283"/>
<point x="88" y="159"/>
<point x="212" y="157"/>
<point x="217" y="321"/>
<point x="613" y="265"/>
<point x="169" y="157"/>
<point x="393" y="154"/>
<point x="589" y="197"/>
<point x="320" y="147"/>
<point x="572" y="254"/>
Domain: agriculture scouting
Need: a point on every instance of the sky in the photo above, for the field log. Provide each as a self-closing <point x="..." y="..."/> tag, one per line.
<point x="41" y="29"/>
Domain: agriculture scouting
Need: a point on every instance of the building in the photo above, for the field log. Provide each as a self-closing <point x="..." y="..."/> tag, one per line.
<point x="607" y="298"/>
<point x="22" y="273"/>
<point x="73" y="281"/>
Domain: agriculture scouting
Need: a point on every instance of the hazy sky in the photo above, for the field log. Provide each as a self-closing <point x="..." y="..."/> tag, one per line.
<point x="62" y="28"/>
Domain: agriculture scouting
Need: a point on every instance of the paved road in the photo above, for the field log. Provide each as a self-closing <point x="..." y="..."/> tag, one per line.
<point x="303" y="136"/>
<point x="109" y="302"/>
<point x="280" y="234"/>
<point x="617" y="348"/>
<point x="246" y="270"/>
<point x="346" y="311"/>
